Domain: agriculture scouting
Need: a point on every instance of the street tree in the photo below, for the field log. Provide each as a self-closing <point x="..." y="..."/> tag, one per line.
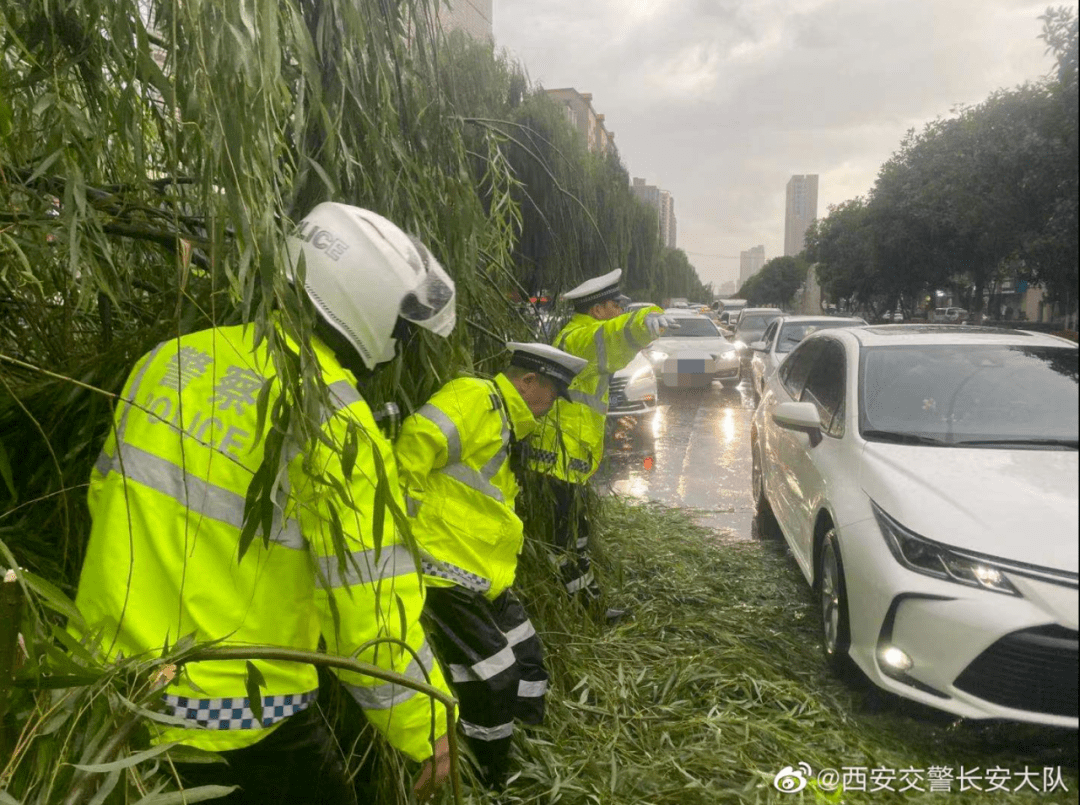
<point x="776" y="282"/>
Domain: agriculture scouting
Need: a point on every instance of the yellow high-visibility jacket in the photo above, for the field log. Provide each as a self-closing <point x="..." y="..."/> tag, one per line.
<point x="167" y="503"/>
<point x="569" y="442"/>
<point x="454" y="460"/>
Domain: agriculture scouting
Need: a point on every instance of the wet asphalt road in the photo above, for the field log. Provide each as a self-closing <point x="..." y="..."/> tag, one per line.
<point x="694" y="455"/>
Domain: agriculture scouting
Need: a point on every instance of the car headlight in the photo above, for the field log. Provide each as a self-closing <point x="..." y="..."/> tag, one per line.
<point x="640" y="374"/>
<point x="739" y="346"/>
<point x="727" y="354"/>
<point x="940" y="561"/>
<point x="656" y="355"/>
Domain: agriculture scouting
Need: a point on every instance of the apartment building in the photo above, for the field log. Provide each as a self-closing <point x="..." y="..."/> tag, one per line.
<point x="750" y="263"/>
<point x="581" y="115"/>
<point x="664" y="204"/>
<point x="801" y="210"/>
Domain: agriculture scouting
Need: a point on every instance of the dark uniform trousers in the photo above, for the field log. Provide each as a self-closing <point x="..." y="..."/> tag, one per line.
<point x="571" y="538"/>
<point x="495" y="663"/>
<point x="299" y="763"/>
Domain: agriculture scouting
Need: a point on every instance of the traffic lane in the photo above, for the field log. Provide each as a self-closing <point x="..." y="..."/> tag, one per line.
<point x="693" y="454"/>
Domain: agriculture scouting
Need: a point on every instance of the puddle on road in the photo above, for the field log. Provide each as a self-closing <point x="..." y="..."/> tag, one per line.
<point x="728" y="525"/>
<point x="693" y="454"/>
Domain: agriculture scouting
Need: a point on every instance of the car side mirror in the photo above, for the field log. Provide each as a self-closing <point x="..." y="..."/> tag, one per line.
<point x="799" y="416"/>
<point x="758" y="346"/>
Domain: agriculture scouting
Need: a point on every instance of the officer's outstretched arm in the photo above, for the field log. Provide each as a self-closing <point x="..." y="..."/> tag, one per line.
<point x="625" y="336"/>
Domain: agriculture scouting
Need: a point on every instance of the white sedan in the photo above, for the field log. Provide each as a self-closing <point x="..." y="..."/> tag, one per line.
<point x="782" y="336"/>
<point x="925" y="479"/>
<point x="693" y="355"/>
<point x="632" y="391"/>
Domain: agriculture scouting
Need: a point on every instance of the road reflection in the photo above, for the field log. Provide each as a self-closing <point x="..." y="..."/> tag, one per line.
<point x="693" y="453"/>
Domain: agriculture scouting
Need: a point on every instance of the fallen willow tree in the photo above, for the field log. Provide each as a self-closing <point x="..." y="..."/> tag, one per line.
<point x="153" y="155"/>
<point x="152" y="158"/>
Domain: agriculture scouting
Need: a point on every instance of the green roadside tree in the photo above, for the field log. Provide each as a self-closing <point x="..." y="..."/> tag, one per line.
<point x="776" y="282"/>
<point x="841" y="246"/>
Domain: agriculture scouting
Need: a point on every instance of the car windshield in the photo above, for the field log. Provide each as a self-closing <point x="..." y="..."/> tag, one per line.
<point x="693" y="327"/>
<point x="794" y="332"/>
<point x="756" y="322"/>
<point x="970" y="394"/>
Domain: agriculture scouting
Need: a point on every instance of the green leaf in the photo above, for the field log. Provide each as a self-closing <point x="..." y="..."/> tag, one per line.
<point x="254" y="514"/>
<point x="106" y="788"/>
<point x="403" y="621"/>
<point x="125" y="763"/>
<point x="378" y="517"/>
<point x="5" y="472"/>
<point x="331" y="185"/>
<point x="189" y="754"/>
<point x="53" y="597"/>
<point x="348" y="451"/>
<point x="5" y="118"/>
<point x="254" y="684"/>
<point x="188" y="795"/>
<point x="261" y="404"/>
<point x="337" y="539"/>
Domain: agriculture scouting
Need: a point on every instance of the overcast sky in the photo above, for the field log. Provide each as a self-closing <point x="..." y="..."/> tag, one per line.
<point x="721" y="101"/>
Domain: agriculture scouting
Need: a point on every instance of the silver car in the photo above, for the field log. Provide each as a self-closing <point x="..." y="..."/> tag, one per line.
<point x="782" y="336"/>
<point x="693" y="355"/>
<point x="750" y="328"/>
<point x="633" y="390"/>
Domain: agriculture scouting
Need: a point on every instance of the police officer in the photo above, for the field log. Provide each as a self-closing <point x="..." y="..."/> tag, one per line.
<point x="167" y="505"/>
<point x="455" y="459"/>
<point x="569" y="444"/>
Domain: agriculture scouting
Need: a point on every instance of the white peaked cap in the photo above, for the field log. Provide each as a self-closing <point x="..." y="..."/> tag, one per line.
<point x="598" y="289"/>
<point x="562" y="367"/>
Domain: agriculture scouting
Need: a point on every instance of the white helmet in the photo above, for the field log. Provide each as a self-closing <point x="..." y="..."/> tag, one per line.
<point x="362" y="272"/>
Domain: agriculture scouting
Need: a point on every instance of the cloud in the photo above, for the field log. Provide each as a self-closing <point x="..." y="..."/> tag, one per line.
<point x="721" y="101"/>
<point x="690" y="73"/>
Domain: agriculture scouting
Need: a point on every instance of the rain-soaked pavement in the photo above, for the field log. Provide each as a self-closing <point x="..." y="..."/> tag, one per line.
<point x="694" y="455"/>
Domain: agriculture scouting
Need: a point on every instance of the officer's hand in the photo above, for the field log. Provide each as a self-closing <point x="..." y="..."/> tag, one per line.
<point x="657" y="323"/>
<point x="435" y="771"/>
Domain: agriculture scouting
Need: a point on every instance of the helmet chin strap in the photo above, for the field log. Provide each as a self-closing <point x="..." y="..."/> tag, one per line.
<point x="404" y="334"/>
<point x="345" y="353"/>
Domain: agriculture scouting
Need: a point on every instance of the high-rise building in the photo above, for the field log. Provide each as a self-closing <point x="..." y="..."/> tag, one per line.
<point x="750" y="263"/>
<point x="664" y="204"/>
<point x="801" y="211"/>
<point x="582" y="116"/>
<point x="471" y="16"/>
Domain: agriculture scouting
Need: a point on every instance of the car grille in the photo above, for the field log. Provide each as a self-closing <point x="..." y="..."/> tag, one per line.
<point x="617" y="392"/>
<point x="1034" y="670"/>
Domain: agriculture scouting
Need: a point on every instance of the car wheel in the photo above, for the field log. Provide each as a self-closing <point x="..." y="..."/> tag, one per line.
<point x="832" y="597"/>
<point x="764" y="519"/>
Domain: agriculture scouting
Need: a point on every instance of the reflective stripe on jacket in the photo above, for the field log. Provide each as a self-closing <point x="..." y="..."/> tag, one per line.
<point x="454" y="460"/>
<point x="569" y="442"/>
<point x="167" y="502"/>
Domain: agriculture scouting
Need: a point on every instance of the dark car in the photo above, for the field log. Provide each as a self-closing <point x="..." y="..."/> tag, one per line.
<point x="751" y="327"/>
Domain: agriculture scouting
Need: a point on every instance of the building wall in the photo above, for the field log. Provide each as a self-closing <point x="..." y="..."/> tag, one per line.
<point x="800" y="212"/>
<point x="750" y="263"/>
<point x="667" y="219"/>
<point x="590" y="125"/>
<point x="664" y="204"/>
<point x="471" y="16"/>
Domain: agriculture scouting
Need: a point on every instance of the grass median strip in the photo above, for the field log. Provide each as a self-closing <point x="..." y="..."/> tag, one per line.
<point x="716" y="684"/>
